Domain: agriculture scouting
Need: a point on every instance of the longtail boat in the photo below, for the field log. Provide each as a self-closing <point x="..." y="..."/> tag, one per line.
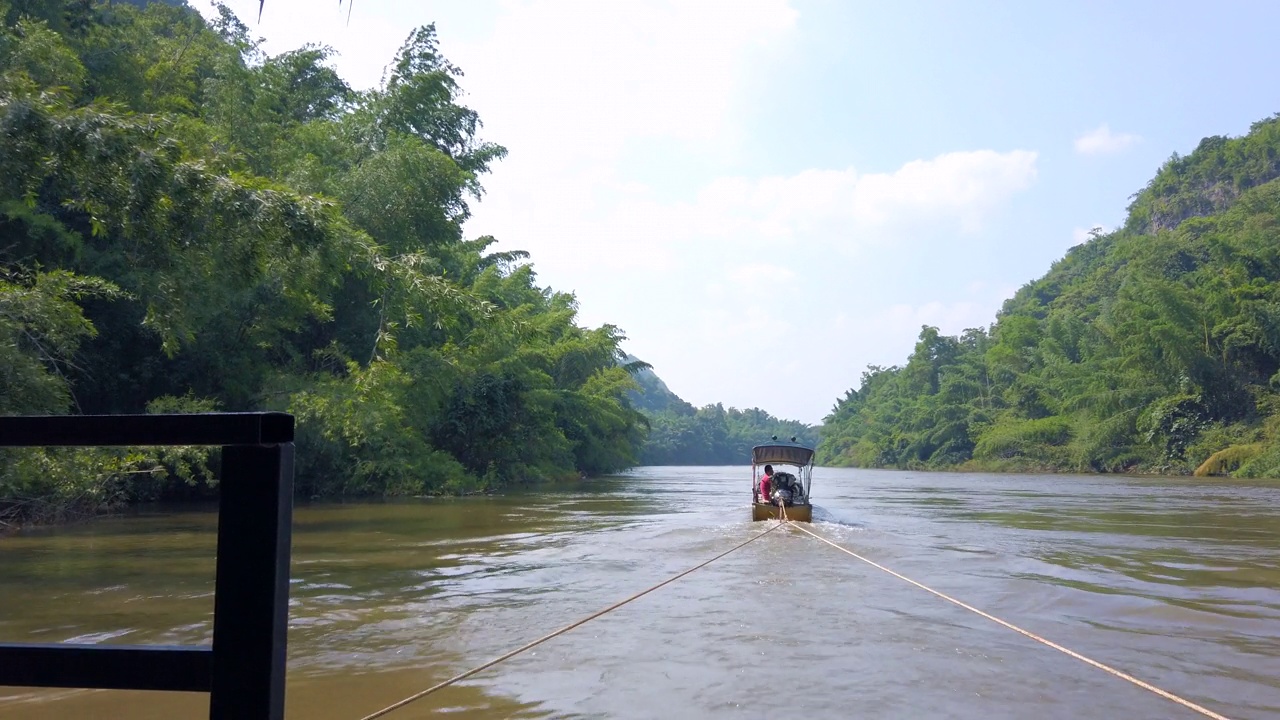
<point x="788" y="489"/>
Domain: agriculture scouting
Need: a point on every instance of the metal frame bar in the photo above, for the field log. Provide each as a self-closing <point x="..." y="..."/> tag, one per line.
<point x="244" y="670"/>
<point x="114" y="667"/>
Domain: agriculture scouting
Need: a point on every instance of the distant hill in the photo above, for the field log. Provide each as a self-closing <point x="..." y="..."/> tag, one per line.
<point x="680" y="434"/>
<point x="655" y="396"/>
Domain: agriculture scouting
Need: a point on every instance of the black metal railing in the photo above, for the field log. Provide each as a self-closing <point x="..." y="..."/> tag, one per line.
<point x="244" y="669"/>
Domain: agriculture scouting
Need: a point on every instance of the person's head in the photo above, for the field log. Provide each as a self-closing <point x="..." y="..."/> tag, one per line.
<point x="768" y="469"/>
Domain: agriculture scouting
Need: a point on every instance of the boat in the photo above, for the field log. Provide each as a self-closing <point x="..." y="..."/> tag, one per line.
<point x="790" y="488"/>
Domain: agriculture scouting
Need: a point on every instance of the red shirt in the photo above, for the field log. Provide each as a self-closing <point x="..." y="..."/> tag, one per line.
<point x="765" y="481"/>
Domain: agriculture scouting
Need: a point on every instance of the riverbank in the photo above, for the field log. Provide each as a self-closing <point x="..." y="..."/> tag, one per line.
<point x="1025" y="466"/>
<point x="28" y="514"/>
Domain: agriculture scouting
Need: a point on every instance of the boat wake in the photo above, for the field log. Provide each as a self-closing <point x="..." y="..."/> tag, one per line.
<point x="836" y="522"/>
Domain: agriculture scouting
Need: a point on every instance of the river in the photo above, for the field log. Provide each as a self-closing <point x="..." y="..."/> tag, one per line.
<point x="1176" y="581"/>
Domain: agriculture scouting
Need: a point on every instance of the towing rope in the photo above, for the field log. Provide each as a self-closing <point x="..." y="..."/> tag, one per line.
<point x="1122" y="675"/>
<point x="463" y="676"/>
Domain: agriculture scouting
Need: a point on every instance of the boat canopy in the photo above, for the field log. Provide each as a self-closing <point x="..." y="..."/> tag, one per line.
<point x="785" y="453"/>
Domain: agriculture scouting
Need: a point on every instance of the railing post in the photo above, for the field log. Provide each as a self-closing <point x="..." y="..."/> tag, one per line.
<point x="251" y="601"/>
<point x="244" y="670"/>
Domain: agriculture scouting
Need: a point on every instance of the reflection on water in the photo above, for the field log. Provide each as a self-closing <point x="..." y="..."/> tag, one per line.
<point x="1175" y="581"/>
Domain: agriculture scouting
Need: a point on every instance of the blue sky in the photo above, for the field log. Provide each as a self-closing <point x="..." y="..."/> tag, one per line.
<point x="769" y="196"/>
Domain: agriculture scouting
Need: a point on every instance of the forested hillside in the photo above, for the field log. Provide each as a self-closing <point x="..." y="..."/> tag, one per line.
<point x="1153" y="348"/>
<point x="187" y="223"/>
<point x="680" y="434"/>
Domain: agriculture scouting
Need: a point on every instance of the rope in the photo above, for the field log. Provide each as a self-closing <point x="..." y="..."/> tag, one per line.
<point x="463" y="676"/>
<point x="1122" y="675"/>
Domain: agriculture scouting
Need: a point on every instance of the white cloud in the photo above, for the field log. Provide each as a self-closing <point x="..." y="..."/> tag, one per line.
<point x="574" y="228"/>
<point x="843" y="206"/>
<point x="756" y="273"/>
<point x="1104" y="142"/>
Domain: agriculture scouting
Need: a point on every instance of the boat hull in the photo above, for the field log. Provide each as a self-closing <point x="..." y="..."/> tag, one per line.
<point x="799" y="513"/>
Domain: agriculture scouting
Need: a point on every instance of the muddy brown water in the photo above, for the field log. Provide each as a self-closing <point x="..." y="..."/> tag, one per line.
<point x="1176" y="581"/>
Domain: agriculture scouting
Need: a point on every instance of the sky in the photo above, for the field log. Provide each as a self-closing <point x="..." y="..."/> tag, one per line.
<point x="769" y="196"/>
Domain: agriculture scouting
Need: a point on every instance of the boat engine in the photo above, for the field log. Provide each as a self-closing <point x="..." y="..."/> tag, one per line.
<point x="786" y="488"/>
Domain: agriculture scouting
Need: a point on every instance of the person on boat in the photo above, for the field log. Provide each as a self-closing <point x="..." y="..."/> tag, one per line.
<point x="766" y="482"/>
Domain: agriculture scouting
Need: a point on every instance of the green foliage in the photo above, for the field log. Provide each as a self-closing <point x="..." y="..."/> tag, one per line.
<point x="712" y="435"/>
<point x="191" y="224"/>
<point x="41" y="329"/>
<point x="1208" y="180"/>
<point x="36" y="57"/>
<point x="1152" y="348"/>
<point x="420" y="99"/>
<point x="1264" y="464"/>
<point x="1036" y="439"/>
